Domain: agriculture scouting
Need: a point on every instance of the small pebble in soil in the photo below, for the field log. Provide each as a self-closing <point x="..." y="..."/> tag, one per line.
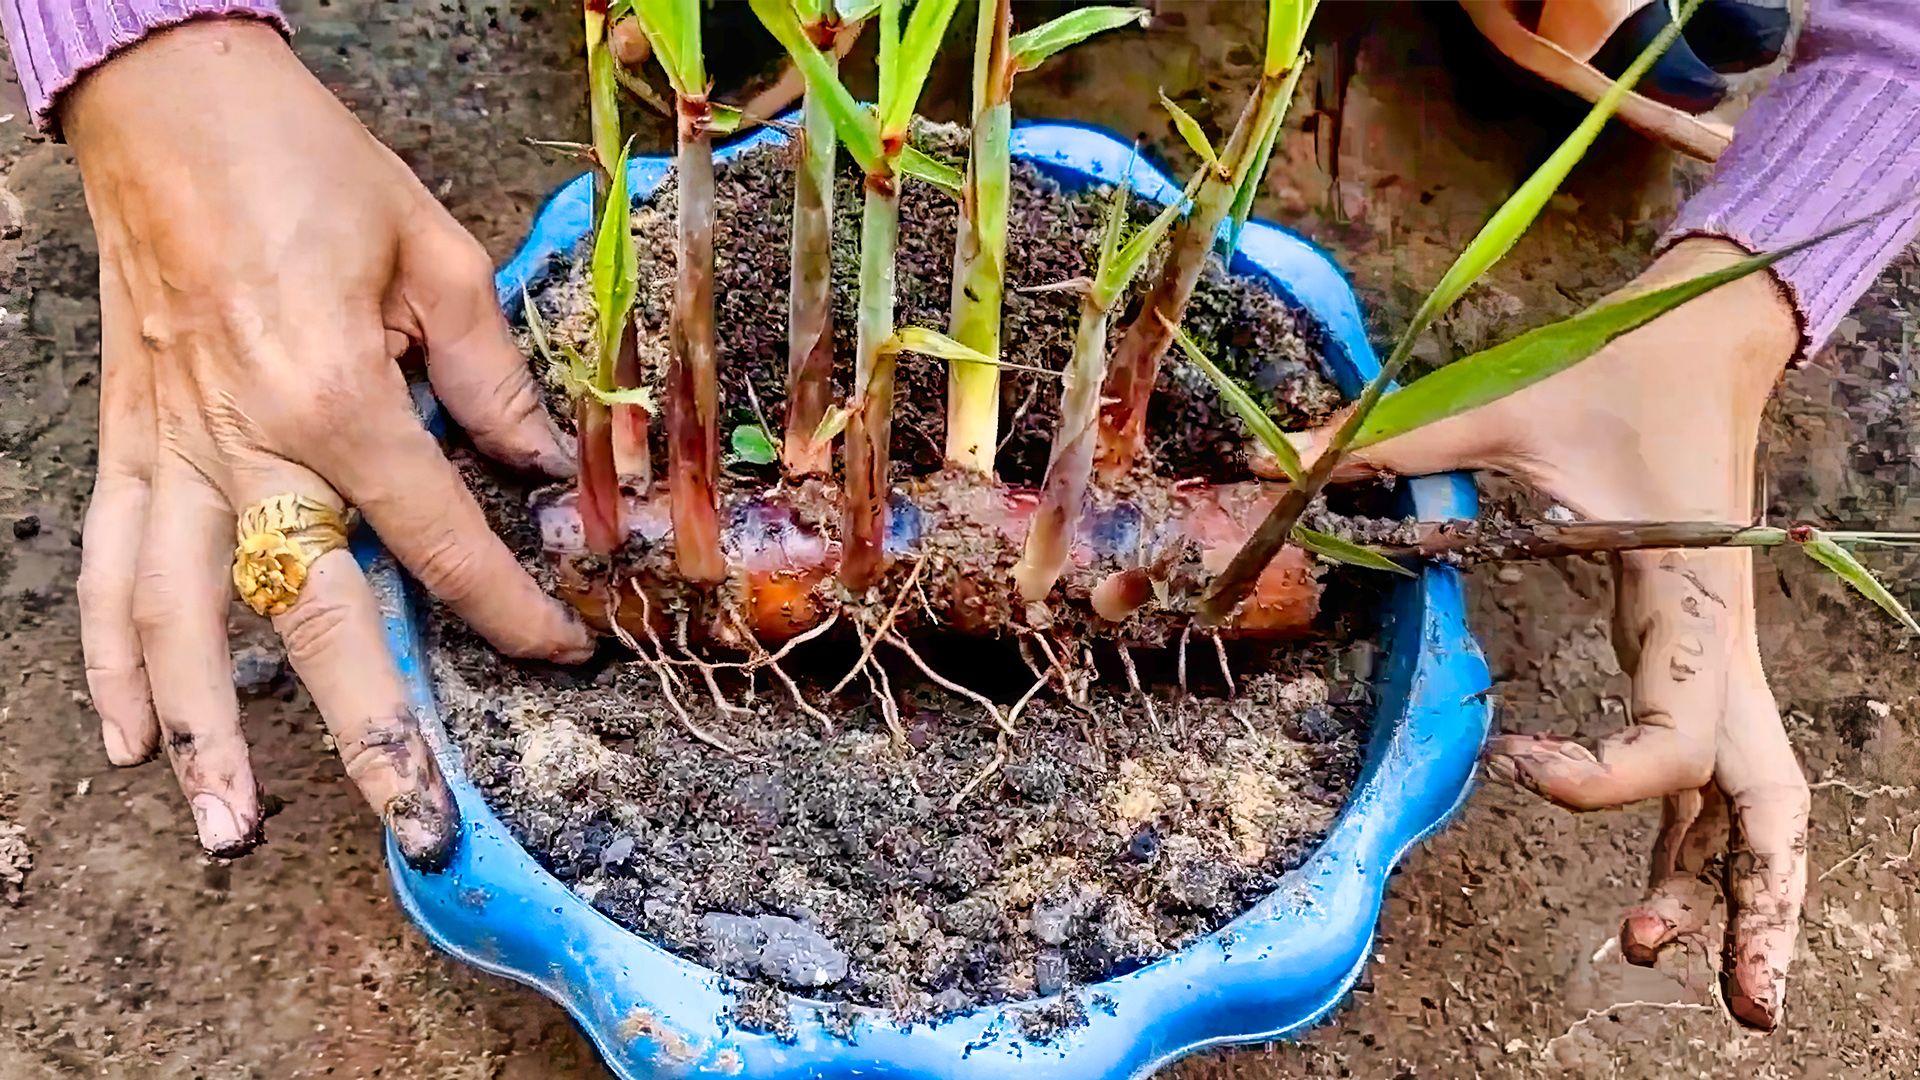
<point x="775" y="947"/>
<point x="257" y="668"/>
<point x="26" y="526"/>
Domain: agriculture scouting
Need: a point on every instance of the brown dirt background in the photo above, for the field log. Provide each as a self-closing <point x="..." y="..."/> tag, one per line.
<point x="128" y="954"/>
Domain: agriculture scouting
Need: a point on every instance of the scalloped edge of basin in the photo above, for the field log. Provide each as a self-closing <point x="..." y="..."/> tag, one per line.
<point x="1277" y="968"/>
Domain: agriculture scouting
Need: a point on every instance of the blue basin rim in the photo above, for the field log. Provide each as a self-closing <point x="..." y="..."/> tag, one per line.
<point x="1276" y="969"/>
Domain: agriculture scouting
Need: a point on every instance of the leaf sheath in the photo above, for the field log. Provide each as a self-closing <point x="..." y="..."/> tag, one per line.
<point x="692" y="397"/>
<point x="810" y="295"/>
<point x="870" y="427"/>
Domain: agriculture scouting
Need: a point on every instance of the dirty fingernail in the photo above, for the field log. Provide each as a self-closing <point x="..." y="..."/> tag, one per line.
<point x="577" y="643"/>
<point x="560" y="460"/>
<point x="1642" y="933"/>
<point x="119" y="751"/>
<point x="220" y="829"/>
<point x="426" y="827"/>
<point x="1756" y="1001"/>
<point x="1502" y="767"/>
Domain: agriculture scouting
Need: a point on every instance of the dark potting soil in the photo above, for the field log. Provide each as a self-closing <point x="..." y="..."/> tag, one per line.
<point x="1238" y="321"/>
<point x="822" y="858"/>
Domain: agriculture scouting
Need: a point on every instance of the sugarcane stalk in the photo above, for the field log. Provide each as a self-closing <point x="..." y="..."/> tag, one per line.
<point x="693" y="398"/>
<point x="599" y="475"/>
<point x="870" y="428"/>
<point x="810" y="290"/>
<point x="1135" y="367"/>
<point x="980" y="249"/>
<point x="1070" y="464"/>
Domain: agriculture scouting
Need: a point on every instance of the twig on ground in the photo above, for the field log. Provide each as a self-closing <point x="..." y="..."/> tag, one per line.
<point x="1844" y="863"/>
<point x="1913" y="848"/>
<point x="1858" y="792"/>
<point x="1546" y="1050"/>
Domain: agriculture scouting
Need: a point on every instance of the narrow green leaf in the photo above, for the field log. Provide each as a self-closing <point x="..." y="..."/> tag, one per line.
<point x="615" y="267"/>
<point x="1256" y="173"/>
<point x="603" y="104"/>
<point x="853" y="123"/>
<point x="723" y="119"/>
<point x="1243" y="406"/>
<point x="922" y="166"/>
<point x="919" y="339"/>
<point x="626" y="395"/>
<point x="1841" y="561"/>
<point x="1191" y="131"/>
<point x="832" y="423"/>
<point x="900" y="93"/>
<point x="1286" y="32"/>
<point x="810" y="11"/>
<point x="1031" y="48"/>
<point x="673" y="29"/>
<point x="1113" y="276"/>
<point x="1491" y="374"/>
<point x="1335" y="549"/>
<point x="1505" y="227"/>
<point x="536" y="325"/>
<point x="752" y="444"/>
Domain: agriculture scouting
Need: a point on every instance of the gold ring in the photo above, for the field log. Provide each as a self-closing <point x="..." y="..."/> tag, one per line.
<point x="279" y="538"/>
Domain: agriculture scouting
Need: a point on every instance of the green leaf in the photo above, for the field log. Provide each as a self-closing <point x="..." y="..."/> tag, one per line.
<point x="832" y="423"/>
<point x="673" y="29"/>
<point x="919" y="339"/>
<point x="723" y="119"/>
<point x="1511" y="220"/>
<point x="1032" y="48"/>
<point x="1491" y="374"/>
<point x="900" y="87"/>
<point x="853" y="123"/>
<point x="1191" y="131"/>
<point x="615" y="268"/>
<point x="1335" y="549"/>
<point x="1841" y="561"/>
<point x="1286" y="32"/>
<point x="1113" y="275"/>
<point x="1251" y="180"/>
<point x="628" y="395"/>
<point x="603" y="107"/>
<point x="810" y="11"/>
<point x="1243" y="406"/>
<point x="536" y="325"/>
<point x="752" y="444"/>
<point x="922" y="166"/>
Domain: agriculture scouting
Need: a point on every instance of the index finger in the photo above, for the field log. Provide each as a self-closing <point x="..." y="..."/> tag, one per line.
<point x="388" y="466"/>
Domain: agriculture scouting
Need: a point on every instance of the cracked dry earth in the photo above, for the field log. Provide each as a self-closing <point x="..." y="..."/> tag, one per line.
<point x="126" y="954"/>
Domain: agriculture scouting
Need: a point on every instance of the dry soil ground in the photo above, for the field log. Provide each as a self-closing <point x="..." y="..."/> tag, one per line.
<point x="126" y="953"/>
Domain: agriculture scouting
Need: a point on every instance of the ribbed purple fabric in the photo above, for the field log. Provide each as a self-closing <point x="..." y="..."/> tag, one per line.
<point x="55" y="41"/>
<point x="1835" y="138"/>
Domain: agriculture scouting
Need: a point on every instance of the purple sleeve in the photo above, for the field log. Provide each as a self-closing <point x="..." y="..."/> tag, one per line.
<point x="55" y="41"/>
<point x="1835" y="138"/>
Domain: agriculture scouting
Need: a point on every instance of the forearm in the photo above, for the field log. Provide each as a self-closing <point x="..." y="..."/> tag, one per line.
<point x="1835" y="138"/>
<point x="54" y="42"/>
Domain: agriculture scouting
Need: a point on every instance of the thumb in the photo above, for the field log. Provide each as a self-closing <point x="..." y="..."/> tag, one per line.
<point x="476" y="369"/>
<point x="1473" y="440"/>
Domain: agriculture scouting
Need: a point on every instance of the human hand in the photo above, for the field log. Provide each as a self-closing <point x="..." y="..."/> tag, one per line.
<point x="1663" y="425"/>
<point x="263" y="260"/>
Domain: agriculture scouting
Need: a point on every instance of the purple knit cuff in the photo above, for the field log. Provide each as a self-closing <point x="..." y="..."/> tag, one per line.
<point x="1823" y="145"/>
<point x="54" y="42"/>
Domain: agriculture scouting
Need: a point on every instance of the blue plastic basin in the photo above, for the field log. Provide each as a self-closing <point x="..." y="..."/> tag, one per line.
<point x="1277" y="968"/>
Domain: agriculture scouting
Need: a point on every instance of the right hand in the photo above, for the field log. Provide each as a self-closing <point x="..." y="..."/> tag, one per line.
<point x="263" y="260"/>
<point x="1662" y="425"/>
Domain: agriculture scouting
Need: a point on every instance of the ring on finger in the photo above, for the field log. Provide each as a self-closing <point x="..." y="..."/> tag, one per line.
<point x="278" y="540"/>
